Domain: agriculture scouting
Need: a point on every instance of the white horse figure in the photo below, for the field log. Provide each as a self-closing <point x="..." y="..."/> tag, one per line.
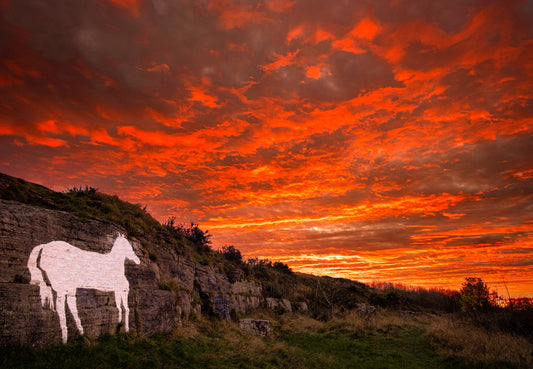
<point x="69" y="268"/>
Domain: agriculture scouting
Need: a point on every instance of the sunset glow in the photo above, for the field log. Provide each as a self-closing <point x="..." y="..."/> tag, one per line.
<point x="373" y="140"/>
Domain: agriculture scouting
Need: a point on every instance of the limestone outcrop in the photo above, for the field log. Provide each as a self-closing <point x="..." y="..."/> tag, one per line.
<point x="164" y="289"/>
<point x="280" y="305"/>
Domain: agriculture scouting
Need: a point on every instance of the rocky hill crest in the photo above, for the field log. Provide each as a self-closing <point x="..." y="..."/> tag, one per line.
<point x="172" y="282"/>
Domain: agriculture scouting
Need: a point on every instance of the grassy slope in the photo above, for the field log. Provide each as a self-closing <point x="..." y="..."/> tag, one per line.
<point x="297" y="342"/>
<point x="83" y="202"/>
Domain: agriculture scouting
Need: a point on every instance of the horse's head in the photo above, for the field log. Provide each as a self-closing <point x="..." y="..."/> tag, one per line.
<point x="123" y="248"/>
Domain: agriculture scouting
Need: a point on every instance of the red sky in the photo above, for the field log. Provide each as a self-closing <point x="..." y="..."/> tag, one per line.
<point x="385" y="140"/>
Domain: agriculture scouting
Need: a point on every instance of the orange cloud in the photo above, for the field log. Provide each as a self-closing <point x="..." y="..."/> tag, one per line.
<point x="314" y="71"/>
<point x="157" y="68"/>
<point x="160" y="138"/>
<point x="200" y="94"/>
<point x="365" y="211"/>
<point x="45" y="141"/>
<point x="48" y="126"/>
<point x="295" y="33"/>
<point x="322" y="35"/>
<point x="280" y="61"/>
<point x="366" y="29"/>
<point x="6" y="129"/>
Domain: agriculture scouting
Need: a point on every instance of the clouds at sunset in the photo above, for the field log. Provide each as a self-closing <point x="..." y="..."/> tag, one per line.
<point x="384" y="139"/>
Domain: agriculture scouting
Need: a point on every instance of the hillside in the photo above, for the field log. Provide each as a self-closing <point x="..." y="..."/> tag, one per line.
<point x="322" y="295"/>
<point x="190" y="297"/>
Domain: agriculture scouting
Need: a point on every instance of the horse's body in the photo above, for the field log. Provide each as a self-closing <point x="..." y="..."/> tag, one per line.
<point x="69" y="268"/>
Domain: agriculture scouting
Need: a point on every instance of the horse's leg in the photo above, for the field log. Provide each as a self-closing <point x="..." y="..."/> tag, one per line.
<point x="60" y="308"/>
<point x="71" y="301"/>
<point x="124" y="296"/>
<point x="119" y="307"/>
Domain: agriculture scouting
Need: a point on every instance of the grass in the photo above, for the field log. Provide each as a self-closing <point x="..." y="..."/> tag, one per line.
<point x="455" y="339"/>
<point x="386" y="341"/>
<point x="406" y="348"/>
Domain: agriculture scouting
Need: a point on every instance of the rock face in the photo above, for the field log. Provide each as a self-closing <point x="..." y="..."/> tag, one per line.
<point x="281" y="305"/>
<point x="255" y="327"/>
<point x="164" y="289"/>
<point x="365" y="309"/>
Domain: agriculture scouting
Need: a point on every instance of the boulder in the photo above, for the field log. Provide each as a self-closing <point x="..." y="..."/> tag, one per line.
<point x="281" y="305"/>
<point x="365" y="309"/>
<point x="302" y="307"/>
<point x="255" y="326"/>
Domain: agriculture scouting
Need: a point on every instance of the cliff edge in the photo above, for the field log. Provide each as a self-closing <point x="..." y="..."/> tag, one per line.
<point x="168" y="286"/>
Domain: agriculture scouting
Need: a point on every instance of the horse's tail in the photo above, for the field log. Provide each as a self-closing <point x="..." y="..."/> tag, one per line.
<point x="37" y="278"/>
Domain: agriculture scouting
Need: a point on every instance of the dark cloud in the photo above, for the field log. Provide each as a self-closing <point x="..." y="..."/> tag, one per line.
<point x="350" y="75"/>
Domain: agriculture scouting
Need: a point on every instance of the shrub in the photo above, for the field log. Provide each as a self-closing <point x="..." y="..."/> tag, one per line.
<point x="169" y="285"/>
<point x="475" y="295"/>
<point x="193" y="238"/>
<point x="199" y="238"/>
<point x="88" y="190"/>
<point x="231" y="254"/>
<point x="284" y="268"/>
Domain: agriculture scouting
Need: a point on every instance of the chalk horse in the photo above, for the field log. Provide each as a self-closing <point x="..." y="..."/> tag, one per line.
<point x="69" y="268"/>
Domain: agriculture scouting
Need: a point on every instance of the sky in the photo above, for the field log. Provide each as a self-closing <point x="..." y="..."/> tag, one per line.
<point x="377" y="140"/>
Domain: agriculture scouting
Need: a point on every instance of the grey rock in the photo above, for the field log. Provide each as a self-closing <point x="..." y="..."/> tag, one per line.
<point x="243" y="303"/>
<point x="248" y="288"/>
<point x="222" y="306"/>
<point x="282" y="305"/>
<point x="255" y="326"/>
<point x="302" y="307"/>
<point x="365" y="309"/>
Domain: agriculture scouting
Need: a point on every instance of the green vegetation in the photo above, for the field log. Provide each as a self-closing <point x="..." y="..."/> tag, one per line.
<point x="169" y="285"/>
<point x="84" y="202"/>
<point x="406" y="348"/>
<point x="388" y="340"/>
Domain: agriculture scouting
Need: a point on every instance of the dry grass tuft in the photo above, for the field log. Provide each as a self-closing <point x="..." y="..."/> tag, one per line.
<point x="464" y="340"/>
<point x="449" y="336"/>
<point x="187" y="330"/>
<point x="383" y="320"/>
<point x="301" y="324"/>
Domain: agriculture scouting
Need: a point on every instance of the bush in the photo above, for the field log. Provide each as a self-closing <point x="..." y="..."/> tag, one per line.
<point x="284" y="268"/>
<point x="475" y="295"/>
<point x="199" y="238"/>
<point x="231" y="254"/>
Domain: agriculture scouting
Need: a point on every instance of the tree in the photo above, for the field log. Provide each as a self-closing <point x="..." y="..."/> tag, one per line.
<point x="475" y="295"/>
